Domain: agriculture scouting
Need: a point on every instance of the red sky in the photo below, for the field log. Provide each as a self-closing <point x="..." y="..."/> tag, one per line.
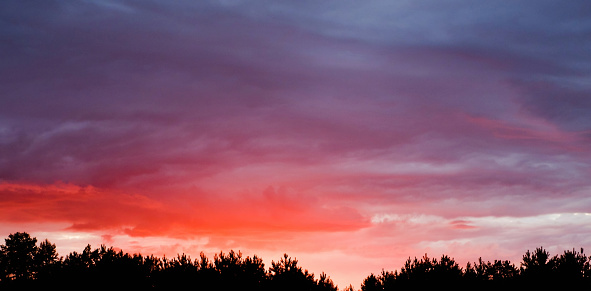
<point x="350" y="135"/>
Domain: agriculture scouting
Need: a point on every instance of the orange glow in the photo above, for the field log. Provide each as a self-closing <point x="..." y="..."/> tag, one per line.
<point x="93" y="209"/>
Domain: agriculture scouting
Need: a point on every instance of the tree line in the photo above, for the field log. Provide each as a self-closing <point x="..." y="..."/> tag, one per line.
<point x="538" y="270"/>
<point x="26" y="264"/>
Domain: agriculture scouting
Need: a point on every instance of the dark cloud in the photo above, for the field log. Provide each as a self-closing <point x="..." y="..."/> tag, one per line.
<point x="382" y="129"/>
<point x="560" y="102"/>
<point x="367" y="98"/>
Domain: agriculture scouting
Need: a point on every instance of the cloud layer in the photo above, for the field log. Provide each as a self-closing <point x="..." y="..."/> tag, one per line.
<point x="363" y="132"/>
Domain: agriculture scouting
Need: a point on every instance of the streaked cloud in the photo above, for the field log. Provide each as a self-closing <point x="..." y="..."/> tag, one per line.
<point x="340" y="131"/>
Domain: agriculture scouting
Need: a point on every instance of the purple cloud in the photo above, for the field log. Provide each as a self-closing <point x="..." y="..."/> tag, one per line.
<point x="465" y="113"/>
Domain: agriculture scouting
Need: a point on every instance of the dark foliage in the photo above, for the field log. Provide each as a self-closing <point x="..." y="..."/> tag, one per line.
<point x="23" y="264"/>
<point x="26" y="264"/>
<point x="568" y="271"/>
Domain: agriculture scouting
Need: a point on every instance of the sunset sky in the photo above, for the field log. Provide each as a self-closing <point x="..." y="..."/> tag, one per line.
<point x="350" y="135"/>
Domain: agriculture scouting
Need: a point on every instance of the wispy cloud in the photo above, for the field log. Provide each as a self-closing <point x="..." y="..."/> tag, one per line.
<point x="373" y="127"/>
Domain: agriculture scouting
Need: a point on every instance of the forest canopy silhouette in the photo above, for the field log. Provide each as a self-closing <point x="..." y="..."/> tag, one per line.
<point x="26" y="263"/>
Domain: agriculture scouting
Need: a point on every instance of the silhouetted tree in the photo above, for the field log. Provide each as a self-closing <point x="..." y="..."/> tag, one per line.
<point x="18" y="256"/>
<point x="118" y="268"/>
<point x="446" y="269"/>
<point x="208" y="276"/>
<point x="535" y="268"/>
<point x="236" y="272"/>
<point x="26" y="266"/>
<point x="501" y="270"/>
<point x="571" y="268"/>
<point x="229" y="268"/>
<point x="536" y="263"/>
<point x="287" y="275"/>
<point x="324" y="283"/>
<point x="476" y="271"/>
<point x="47" y="262"/>
<point x="78" y="268"/>
<point x="429" y="271"/>
<point x="371" y="283"/>
<point x="254" y="273"/>
<point x="177" y="273"/>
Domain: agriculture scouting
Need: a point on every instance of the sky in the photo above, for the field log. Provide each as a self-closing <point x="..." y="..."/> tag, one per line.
<point x="350" y="135"/>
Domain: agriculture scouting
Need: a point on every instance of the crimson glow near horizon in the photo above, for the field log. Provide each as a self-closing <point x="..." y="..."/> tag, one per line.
<point x="348" y="134"/>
